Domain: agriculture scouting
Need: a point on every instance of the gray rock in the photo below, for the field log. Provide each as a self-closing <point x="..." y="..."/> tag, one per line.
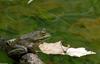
<point x="30" y="58"/>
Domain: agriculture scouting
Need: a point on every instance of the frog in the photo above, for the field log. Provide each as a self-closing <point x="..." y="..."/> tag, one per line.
<point x="27" y="43"/>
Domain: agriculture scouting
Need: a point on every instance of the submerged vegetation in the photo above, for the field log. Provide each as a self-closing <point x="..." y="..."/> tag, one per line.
<point x="76" y="22"/>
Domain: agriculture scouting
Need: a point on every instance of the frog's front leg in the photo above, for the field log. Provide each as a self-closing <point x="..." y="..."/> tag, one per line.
<point x="18" y="51"/>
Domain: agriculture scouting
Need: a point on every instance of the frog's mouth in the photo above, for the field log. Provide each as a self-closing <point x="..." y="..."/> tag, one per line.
<point x="46" y="36"/>
<point x="43" y="37"/>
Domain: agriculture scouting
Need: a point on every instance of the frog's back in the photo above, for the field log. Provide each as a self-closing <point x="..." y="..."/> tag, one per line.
<point x="36" y="35"/>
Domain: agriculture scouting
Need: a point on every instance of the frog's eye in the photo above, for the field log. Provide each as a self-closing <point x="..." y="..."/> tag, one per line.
<point x="44" y="29"/>
<point x="43" y="32"/>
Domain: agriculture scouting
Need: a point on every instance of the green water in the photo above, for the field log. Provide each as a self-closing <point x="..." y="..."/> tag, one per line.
<point x="76" y="22"/>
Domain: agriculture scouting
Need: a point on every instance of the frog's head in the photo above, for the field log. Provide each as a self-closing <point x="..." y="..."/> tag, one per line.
<point x="37" y="35"/>
<point x="42" y="34"/>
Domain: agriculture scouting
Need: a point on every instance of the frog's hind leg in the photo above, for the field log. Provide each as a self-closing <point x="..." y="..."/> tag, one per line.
<point x="17" y="52"/>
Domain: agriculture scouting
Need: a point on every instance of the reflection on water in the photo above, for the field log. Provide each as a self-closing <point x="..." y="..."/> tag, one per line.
<point x="76" y="22"/>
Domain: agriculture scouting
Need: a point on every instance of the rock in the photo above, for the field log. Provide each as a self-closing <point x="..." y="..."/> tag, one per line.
<point x="30" y="58"/>
<point x="58" y="48"/>
<point x="78" y="52"/>
<point x="52" y="48"/>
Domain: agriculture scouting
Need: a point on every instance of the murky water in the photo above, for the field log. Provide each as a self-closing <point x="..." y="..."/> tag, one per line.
<point x="76" y="22"/>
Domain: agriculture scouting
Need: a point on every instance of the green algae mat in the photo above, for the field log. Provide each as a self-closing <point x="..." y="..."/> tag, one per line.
<point x="75" y="22"/>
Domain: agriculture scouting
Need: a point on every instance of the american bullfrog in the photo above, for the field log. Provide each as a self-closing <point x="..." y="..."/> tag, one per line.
<point x="26" y="43"/>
